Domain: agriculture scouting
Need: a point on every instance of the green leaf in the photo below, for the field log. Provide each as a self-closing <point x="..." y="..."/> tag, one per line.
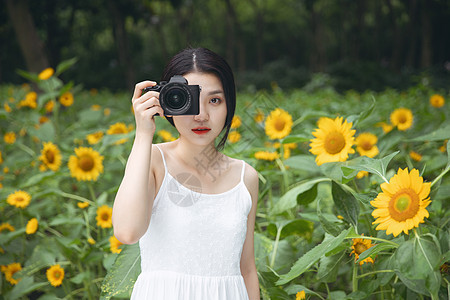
<point x="373" y="251"/>
<point x="421" y="276"/>
<point x="302" y="162"/>
<point x="299" y="138"/>
<point x="64" y="65"/>
<point x="123" y="274"/>
<point x="329" y="267"/>
<point x="330" y="227"/>
<point x="289" y="199"/>
<point x="346" y="205"/>
<point x="312" y="256"/>
<point x="27" y="75"/>
<point x="307" y="197"/>
<point x="364" y="114"/>
<point x="443" y="133"/>
<point x="374" y="166"/>
<point x="296" y="227"/>
<point x="23" y="287"/>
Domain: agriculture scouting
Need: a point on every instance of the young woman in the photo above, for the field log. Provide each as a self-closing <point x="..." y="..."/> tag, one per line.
<point x="191" y="207"/>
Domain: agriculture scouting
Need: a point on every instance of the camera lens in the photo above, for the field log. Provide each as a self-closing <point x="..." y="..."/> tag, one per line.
<point x="176" y="99"/>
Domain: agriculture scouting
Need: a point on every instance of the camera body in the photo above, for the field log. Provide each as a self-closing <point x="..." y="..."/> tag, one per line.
<point x="177" y="97"/>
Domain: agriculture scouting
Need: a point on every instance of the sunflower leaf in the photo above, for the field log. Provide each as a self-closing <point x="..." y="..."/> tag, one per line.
<point x="372" y="251"/>
<point x="312" y="256"/>
<point x="423" y="275"/>
<point x="374" y="166"/>
<point x="345" y="203"/>
<point x="123" y="274"/>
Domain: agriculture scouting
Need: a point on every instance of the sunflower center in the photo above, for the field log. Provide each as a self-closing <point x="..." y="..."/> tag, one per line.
<point x="86" y="163"/>
<point x="279" y="125"/>
<point x="19" y="199"/>
<point x="57" y="274"/>
<point x="334" y="142"/>
<point x="105" y="217"/>
<point x="50" y="156"/>
<point x="404" y="205"/>
<point x="360" y="248"/>
<point x="366" y="145"/>
<point x="402" y="118"/>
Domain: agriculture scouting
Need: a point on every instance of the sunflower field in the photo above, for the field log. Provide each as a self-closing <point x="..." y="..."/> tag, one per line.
<point x="353" y="203"/>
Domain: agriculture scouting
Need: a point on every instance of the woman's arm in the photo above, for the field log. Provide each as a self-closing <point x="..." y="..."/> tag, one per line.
<point x="134" y="199"/>
<point x="248" y="266"/>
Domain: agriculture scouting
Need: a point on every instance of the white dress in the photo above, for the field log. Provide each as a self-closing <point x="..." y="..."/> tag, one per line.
<point x="193" y="245"/>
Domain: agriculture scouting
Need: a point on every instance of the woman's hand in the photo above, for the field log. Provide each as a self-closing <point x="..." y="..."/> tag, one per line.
<point x="145" y="107"/>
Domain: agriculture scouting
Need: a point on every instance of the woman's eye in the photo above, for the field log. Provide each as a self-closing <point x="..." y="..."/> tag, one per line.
<point x="215" y="100"/>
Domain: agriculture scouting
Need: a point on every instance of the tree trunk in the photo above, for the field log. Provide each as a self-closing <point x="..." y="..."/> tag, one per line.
<point x="426" y="37"/>
<point x="29" y="42"/>
<point x="237" y="35"/>
<point x="121" y="39"/>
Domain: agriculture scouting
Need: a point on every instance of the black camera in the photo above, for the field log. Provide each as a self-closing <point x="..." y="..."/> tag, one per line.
<point x="177" y="97"/>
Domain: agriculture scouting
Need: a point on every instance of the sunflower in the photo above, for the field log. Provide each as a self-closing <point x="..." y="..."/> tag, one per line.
<point x="51" y="156"/>
<point x="1" y="158"/>
<point x="55" y="275"/>
<point x="95" y="137"/>
<point x="86" y="164"/>
<point x="118" y="128"/>
<point x="49" y="106"/>
<point x="278" y="124"/>
<point x="115" y="244"/>
<point x="46" y="74"/>
<point x="334" y="140"/>
<point x="300" y="295"/>
<point x="6" y="226"/>
<point x="266" y="155"/>
<point x="9" y="137"/>
<point x="82" y="204"/>
<point x="402" y="118"/>
<point x="95" y="107"/>
<point x="7" y="107"/>
<point x="10" y="270"/>
<point x="29" y="101"/>
<point x="366" y="144"/>
<point x="236" y="122"/>
<point x="234" y="136"/>
<point x="66" y="99"/>
<point x="437" y="101"/>
<point x="359" y="246"/>
<point x="165" y="135"/>
<point x="362" y="174"/>
<point x="259" y="116"/>
<point x="91" y="241"/>
<point x="402" y="203"/>
<point x="20" y="199"/>
<point x="32" y="226"/>
<point x="415" y="156"/>
<point x="104" y="216"/>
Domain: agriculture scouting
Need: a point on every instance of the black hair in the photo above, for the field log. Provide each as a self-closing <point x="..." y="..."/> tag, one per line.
<point x="206" y="61"/>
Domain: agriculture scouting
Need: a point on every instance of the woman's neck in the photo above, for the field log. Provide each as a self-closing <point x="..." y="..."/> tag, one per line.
<point x="206" y="160"/>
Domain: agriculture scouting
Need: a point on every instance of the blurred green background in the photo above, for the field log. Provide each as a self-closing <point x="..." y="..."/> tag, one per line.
<point x="360" y="45"/>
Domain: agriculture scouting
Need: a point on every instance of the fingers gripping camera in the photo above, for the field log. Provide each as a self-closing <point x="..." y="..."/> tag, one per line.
<point x="177" y="97"/>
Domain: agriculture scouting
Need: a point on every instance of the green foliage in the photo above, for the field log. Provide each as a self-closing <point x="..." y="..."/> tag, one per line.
<point x="308" y="216"/>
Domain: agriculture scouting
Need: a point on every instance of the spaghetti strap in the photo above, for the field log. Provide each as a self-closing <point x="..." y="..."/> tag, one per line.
<point x="243" y="170"/>
<point x="162" y="155"/>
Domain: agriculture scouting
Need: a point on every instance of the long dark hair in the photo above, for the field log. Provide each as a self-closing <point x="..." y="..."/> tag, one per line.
<point x="206" y="61"/>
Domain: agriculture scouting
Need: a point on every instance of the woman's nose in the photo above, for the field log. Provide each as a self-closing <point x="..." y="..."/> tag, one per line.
<point x="203" y="114"/>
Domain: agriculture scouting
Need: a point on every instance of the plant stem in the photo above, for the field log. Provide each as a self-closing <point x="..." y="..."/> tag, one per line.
<point x="374" y="239"/>
<point x="355" y="278"/>
<point x="440" y="176"/>
<point x="375" y="272"/>
<point x="277" y="239"/>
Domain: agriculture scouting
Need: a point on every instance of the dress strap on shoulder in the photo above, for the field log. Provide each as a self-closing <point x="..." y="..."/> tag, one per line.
<point x="243" y="170"/>
<point x="162" y="154"/>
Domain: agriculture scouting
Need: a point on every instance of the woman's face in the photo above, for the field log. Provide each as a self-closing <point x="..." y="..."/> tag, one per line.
<point x="202" y="129"/>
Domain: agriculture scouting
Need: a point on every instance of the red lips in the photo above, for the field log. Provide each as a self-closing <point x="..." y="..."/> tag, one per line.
<point x="201" y="130"/>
